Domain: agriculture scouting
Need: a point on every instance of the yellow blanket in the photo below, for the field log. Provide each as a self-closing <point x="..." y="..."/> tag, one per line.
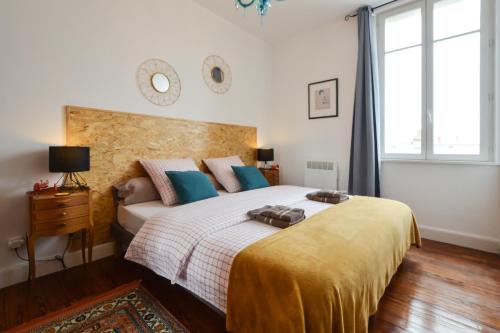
<point x="326" y="274"/>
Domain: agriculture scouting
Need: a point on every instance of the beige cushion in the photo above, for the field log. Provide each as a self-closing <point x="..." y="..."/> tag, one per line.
<point x="156" y="170"/>
<point x="214" y="181"/>
<point x="222" y="171"/>
<point x="136" y="190"/>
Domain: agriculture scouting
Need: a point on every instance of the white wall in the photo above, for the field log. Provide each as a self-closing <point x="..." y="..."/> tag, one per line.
<point x="453" y="203"/>
<point x="497" y="78"/>
<point x="59" y="52"/>
<point x="326" y="53"/>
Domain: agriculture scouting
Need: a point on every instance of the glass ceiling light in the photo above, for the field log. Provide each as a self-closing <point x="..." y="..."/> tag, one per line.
<point x="261" y="5"/>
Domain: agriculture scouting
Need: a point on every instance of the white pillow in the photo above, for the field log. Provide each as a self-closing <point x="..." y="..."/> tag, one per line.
<point x="222" y="171"/>
<point x="136" y="190"/>
<point x="156" y="170"/>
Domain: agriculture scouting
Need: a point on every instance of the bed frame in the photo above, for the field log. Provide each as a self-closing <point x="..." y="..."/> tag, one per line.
<point x="122" y="237"/>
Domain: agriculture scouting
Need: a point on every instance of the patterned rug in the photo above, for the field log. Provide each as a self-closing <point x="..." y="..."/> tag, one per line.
<point x="129" y="308"/>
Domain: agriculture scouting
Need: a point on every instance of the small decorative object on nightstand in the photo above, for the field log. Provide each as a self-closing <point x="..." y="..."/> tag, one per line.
<point x="51" y="215"/>
<point x="272" y="175"/>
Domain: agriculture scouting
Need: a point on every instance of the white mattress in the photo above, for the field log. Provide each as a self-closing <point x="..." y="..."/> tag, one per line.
<point x="132" y="217"/>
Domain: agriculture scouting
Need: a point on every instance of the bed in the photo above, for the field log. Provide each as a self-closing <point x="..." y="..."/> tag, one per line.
<point x="206" y="274"/>
<point x="325" y="274"/>
<point x="196" y="245"/>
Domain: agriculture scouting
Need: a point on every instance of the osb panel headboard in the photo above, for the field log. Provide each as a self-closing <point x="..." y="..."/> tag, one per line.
<point x="118" y="140"/>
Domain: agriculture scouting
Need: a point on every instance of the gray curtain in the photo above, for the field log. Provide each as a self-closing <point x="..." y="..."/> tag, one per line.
<point x="364" y="170"/>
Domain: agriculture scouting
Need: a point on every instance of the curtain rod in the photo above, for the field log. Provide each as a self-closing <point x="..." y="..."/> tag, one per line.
<point x="347" y="17"/>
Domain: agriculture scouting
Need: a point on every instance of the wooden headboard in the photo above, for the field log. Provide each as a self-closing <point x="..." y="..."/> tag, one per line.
<point x="117" y="140"/>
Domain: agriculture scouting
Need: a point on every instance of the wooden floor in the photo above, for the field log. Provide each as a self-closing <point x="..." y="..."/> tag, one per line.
<point x="439" y="288"/>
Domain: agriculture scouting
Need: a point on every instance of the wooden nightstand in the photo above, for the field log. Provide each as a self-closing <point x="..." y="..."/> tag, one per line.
<point x="272" y="176"/>
<point x="57" y="216"/>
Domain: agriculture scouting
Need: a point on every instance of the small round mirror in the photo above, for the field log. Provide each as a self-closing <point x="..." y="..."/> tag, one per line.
<point x="217" y="74"/>
<point x="160" y="82"/>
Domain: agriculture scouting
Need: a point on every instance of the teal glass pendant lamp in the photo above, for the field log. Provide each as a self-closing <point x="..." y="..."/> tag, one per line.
<point x="261" y="5"/>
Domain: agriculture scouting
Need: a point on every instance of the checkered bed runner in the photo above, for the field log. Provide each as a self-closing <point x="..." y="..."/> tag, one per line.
<point x="194" y="245"/>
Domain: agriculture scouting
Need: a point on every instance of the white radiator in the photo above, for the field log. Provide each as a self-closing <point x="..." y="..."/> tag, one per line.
<point x="321" y="174"/>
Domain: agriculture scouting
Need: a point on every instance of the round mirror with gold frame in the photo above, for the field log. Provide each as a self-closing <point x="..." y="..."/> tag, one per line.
<point x="159" y="82"/>
<point x="217" y="74"/>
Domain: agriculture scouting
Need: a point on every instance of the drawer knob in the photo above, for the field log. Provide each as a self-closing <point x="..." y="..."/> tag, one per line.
<point x="62" y="204"/>
<point x="63" y="214"/>
<point x="62" y="225"/>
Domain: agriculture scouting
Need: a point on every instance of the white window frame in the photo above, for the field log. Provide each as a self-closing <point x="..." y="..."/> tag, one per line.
<point x="487" y="82"/>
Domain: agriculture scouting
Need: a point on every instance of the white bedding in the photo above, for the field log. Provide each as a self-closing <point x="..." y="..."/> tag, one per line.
<point x="194" y="245"/>
<point x="132" y="217"/>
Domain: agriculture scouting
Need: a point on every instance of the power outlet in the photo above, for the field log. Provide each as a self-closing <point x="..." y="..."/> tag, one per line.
<point x="16" y="242"/>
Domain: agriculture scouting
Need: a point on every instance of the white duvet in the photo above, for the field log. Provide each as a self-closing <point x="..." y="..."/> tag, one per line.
<point x="194" y="245"/>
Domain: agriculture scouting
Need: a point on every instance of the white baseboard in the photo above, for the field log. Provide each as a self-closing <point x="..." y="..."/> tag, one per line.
<point x="19" y="272"/>
<point x="472" y="241"/>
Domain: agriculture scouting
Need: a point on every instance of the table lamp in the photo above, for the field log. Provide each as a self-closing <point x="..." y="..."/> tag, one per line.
<point x="70" y="161"/>
<point x="265" y="155"/>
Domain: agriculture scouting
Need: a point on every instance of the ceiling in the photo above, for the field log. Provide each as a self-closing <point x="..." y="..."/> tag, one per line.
<point x="285" y="18"/>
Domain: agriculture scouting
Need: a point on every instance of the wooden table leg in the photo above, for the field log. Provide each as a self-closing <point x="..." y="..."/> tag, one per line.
<point x="84" y="244"/>
<point x="31" y="256"/>
<point x="91" y="243"/>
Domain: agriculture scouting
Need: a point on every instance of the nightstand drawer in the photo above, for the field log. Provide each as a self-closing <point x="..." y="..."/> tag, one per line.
<point x="62" y="202"/>
<point x="63" y="226"/>
<point x="272" y="176"/>
<point x="41" y="216"/>
<point x="53" y="215"/>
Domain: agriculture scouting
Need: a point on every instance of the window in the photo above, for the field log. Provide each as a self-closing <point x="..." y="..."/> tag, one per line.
<point x="435" y="69"/>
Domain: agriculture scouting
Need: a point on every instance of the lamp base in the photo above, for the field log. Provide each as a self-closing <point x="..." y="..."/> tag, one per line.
<point x="72" y="181"/>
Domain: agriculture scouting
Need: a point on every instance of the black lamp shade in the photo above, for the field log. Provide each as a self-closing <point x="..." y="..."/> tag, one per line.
<point x="265" y="155"/>
<point x="69" y="159"/>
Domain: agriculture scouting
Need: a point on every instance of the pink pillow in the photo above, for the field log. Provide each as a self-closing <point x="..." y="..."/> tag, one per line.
<point x="214" y="181"/>
<point x="222" y="171"/>
<point x="156" y="170"/>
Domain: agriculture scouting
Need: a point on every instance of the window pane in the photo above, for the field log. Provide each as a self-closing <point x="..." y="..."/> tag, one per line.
<point x="455" y="17"/>
<point x="403" y="30"/>
<point x="403" y="101"/>
<point x="457" y="95"/>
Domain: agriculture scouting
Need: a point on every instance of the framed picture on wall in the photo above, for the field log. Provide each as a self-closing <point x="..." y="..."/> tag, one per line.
<point x="323" y="99"/>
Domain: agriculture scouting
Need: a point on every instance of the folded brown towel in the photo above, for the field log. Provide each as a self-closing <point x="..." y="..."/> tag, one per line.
<point x="333" y="197"/>
<point x="278" y="216"/>
<point x="275" y="222"/>
<point x="282" y="213"/>
<point x="330" y="193"/>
